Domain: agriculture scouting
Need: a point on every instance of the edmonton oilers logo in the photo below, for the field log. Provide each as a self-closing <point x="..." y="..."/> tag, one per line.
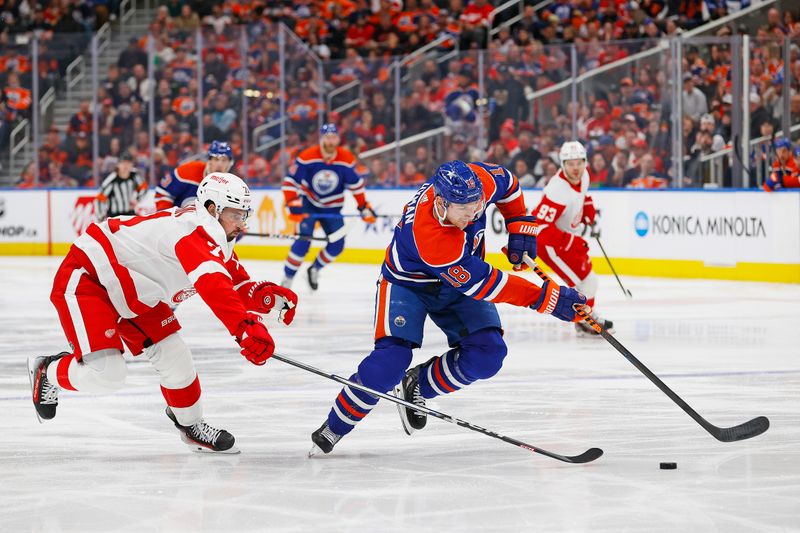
<point x="324" y="181"/>
<point x="641" y="223"/>
<point x="400" y="321"/>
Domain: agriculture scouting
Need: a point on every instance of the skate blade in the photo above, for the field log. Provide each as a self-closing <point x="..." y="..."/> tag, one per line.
<point x="202" y="449"/>
<point x="398" y="392"/>
<point x="315" y="450"/>
<point x="31" y="371"/>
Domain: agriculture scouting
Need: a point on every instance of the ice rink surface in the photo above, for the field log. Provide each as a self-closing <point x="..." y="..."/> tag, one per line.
<point x="116" y="463"/>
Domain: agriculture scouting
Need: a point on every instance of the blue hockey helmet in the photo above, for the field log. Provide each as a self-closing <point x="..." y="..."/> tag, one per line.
<point x="457" y="183"/>
<point x="220" y="149"/>
<point x="328" y="129"/>
<point x="783" y="142"/>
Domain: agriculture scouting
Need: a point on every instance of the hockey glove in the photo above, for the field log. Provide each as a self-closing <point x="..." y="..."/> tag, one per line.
<point x="589" y="212"/>
<point x="265" y="295"/>
<point x="521" y="238"/>
<point x="593" y="230"/>
<point x="254" y="339"/>
<point x="559" y="301"/>
<point x="774" y="181"/>
<point x="367" y="213"/>
<point x="295" y="207"/>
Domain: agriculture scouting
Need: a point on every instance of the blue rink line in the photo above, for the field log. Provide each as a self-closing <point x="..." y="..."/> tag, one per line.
<point x="250" y="392"/>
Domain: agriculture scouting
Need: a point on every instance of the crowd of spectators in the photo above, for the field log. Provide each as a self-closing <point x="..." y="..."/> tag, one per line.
<point x="62" y="28"/>
<point x="231" y="88"/>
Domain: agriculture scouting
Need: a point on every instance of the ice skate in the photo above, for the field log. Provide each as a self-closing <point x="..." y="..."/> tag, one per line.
<point x="203" y="438"/>
<point x="287" y="282"/>
<point x="408" y="390"/>
<point x="313" y="277"/>
<point x="45" y="394"/>
<point x="585" y="329"/>
<point x="324" y="440"/>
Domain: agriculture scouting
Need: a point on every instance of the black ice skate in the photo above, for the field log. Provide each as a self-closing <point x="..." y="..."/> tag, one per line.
<point x="585" y="329"/>
<point x="203" y="438"/>
<point x="324" y="440"/>
<point x="313" y="277"/>
<point x="45" y="394"/>
<point x="408" y="390"/>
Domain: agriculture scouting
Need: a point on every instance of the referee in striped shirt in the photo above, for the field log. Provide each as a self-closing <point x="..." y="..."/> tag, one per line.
<point x="121" y="191"/>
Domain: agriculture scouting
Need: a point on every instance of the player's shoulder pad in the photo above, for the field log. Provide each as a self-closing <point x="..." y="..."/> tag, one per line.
<point x="489" y="174"/>
<point x="311" y="154"/>
<point x="436" y="244"/>
<point x="191" y="172"/>
<point x="558" y="186"/>
<point x="344" y="157"/>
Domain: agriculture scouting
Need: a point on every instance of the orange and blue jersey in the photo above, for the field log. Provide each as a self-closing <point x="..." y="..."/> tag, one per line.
<point x="425" y="250"/>
<point x="321" y="182"/>
<point x="179" y="186"/>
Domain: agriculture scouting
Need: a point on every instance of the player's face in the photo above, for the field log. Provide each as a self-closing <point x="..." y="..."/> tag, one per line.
<point x="783" y="154"/>
<point x="460" y="215"/>
<point x="233" y="221"/>
<point x="218" y="164"/>
<point x="329" y="142"/>
<point x="574" y="168"/>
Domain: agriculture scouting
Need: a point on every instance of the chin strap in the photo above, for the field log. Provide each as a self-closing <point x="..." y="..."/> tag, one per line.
<point x="441" y="216"/>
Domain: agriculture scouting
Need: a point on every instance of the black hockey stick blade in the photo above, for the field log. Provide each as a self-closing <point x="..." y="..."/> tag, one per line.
<point x="748" y="430"/>
<point x="586" y="457"/>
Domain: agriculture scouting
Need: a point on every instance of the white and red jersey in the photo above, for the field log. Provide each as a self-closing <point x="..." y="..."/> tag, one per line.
<point x="562" y="205"/>
<point x="167" y="257"/>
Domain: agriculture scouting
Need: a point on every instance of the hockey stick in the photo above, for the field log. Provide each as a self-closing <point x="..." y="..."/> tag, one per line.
<point x="333" y="237"/>
<point x="624" y="290"/>
<point x="587" y="456"/>
<point x="747" y="430"/>
<point x="287" y="237"/>
<point x="347" y="215"/>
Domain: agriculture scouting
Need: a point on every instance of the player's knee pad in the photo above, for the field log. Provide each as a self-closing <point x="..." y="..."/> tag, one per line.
<point x="481" y="354"/>
<point x="386" y="365"/>
<point x="588" y="285"/>
<point x="172" y="359"/>
<point x="104" y="371"/>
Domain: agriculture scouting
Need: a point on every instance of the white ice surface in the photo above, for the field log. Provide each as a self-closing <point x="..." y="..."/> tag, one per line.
<point x="115" y="463"/>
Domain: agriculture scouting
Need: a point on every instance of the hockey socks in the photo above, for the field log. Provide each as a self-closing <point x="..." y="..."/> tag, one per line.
<point x="441" y="375"/>
<point x="349" y="408"/>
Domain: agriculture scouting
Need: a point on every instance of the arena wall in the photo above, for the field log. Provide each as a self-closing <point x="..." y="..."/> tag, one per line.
<point x="745" y="235"/>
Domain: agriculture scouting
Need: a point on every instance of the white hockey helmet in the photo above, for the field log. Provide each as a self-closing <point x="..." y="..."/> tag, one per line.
<point x="571" y="150"/>
<point x="225" y="190"/>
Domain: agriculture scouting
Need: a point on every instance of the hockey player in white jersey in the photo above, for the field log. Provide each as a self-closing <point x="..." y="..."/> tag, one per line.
<point x="565" y="212"/>
<point x="115" y="288"/>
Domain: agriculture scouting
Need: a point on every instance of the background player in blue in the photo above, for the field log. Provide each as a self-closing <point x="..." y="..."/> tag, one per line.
<point x="315" y="185"/>
<point x="434" y="268"/>
<point x="179" y="187"/>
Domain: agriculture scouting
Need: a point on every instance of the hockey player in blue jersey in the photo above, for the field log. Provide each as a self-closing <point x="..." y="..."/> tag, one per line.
<point x="434" y="267"/>
<point x="179" y="187"/>
<point x="315" y="185"/>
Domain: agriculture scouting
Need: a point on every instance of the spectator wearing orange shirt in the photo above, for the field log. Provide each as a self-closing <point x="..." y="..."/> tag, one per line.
<point x="17" y="98"/>
<point x="785" y="169"/>
<point x="410" y="175"/>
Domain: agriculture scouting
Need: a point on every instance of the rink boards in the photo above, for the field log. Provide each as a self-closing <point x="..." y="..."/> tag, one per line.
<point x="745" y="235"/>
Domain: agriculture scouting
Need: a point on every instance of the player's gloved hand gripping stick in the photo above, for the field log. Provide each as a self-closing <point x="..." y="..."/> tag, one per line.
<point x="747" y="430"/>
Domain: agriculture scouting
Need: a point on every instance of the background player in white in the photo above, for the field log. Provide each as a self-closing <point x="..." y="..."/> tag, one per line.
<point x="115" y="286"/>
<point x="564" y="213"/>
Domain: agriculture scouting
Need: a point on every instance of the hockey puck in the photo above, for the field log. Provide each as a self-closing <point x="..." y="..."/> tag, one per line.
<point x="668" y="466"/>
